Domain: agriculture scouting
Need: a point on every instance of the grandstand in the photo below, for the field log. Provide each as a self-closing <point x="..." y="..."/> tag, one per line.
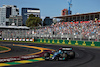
<point x="83" y="30"/>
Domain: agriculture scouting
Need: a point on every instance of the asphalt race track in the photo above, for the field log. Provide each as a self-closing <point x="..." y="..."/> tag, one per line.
<point x="16" y="51"/>
<point x="85" y="57"/>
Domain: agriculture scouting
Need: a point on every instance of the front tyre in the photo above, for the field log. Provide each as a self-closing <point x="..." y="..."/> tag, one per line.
<point x="65" y="56"/>
<point x="47" y="56"/>
<point x="72" y="54"/>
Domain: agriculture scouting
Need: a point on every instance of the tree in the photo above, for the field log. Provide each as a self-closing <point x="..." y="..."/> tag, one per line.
<point x="47" y="21"/>
<point x="33" y="21"/>
<point x="31" y="15"/>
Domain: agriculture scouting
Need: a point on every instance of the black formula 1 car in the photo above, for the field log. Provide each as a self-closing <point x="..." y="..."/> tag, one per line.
<point x="63" y="53"/>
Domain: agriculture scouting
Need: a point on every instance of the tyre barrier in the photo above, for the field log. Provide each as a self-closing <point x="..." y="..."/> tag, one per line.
<point x="70" y="42"/>
<point x="24" y="57"/>
<point x="19" y="39"/>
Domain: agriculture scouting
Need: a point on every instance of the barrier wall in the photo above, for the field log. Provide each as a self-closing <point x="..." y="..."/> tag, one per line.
<point x="19" y="39"/>
<point x="84" y="43"/>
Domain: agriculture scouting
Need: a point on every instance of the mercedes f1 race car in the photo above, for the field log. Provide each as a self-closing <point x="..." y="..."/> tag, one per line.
<point x="64" y="53"/>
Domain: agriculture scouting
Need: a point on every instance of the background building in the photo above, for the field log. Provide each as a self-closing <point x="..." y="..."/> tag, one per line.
<point x="65" y="12"/>
<point x="27" y="11"/>
<point x="80" y="17"/>
<point x="15" y="20"/>
<point x="5" y="12"/>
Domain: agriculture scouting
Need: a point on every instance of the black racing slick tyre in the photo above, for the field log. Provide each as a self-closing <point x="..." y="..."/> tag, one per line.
<point x="64" y="55"/>
<point x="72" y="54"/>
<point x="46" y="56"/>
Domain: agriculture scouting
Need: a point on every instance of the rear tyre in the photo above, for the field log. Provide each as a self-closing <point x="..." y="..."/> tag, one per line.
<point x="57" y="57"/>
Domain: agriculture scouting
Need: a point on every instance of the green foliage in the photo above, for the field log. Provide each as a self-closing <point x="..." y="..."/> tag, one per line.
<point x="33" y="21"/>
<point x="31" y="15"/>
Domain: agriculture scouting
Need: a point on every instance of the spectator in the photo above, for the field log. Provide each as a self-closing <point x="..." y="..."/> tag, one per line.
<point x="87" y="29"/>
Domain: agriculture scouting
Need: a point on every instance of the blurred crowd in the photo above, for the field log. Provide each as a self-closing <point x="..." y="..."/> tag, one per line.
<point x="85" y="29"/>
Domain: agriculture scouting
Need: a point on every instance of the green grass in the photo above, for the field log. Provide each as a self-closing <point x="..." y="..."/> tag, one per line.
<point x="2" y="48"/>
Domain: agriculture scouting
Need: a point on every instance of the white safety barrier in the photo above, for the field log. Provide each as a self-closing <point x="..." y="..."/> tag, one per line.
<point x="19" y="39"/>
<point x="31" y="39"/>
<point x="10" y="38"/>
<point x="27" y="39"/>
<point x="23" y="39"/>
<point x="13" y="39"/>
<point x="7" y="38"/>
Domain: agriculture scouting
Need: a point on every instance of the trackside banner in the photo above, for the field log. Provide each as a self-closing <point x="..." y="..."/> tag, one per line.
<point x="70" y="42"/>
<point x="18" y="58"/>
